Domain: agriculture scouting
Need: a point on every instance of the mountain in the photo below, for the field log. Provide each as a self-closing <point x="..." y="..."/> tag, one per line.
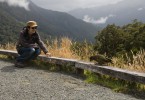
<point x="9" y="27"/>
<point x="121" y="13"/>
<point x="51" y="23"/>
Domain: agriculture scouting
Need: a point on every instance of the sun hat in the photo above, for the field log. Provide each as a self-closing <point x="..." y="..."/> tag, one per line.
<point x="32" y="24"/>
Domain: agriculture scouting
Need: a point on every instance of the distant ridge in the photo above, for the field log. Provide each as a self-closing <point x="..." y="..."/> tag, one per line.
<point x="121" y="13"/>
<point x="51" y="23"/>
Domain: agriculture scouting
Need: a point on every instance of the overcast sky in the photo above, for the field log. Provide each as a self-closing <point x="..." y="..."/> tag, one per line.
<point x="61" y="5"/>
<point x="67" y="5"/>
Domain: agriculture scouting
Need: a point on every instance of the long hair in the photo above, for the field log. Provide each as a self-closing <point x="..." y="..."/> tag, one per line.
<point x="25" y="31"/>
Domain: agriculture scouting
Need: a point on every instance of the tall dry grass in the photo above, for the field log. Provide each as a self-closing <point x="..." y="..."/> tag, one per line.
<point x="134" y="62"/>
<point x="65" y="48"/>
<point x="61" y="48"/>
<point x="8" y="46"/>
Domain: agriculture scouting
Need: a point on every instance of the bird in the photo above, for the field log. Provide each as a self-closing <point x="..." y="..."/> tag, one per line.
<point x="100" y="59"/>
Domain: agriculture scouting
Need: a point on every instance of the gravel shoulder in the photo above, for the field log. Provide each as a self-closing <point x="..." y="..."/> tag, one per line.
<point x="34" y="84"/>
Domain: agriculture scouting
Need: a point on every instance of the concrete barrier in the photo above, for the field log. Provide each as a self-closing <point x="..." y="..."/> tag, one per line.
<point x="106" y="70"/>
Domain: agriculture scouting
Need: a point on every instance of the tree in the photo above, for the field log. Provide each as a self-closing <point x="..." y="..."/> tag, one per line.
<point x="110" y="40"/>
<point x="114" y="40"/>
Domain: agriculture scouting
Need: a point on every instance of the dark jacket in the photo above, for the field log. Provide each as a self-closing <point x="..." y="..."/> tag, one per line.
<point x="30" y="41"/>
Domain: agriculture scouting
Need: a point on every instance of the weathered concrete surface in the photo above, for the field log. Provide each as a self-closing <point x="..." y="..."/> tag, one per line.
<point x="35" y="84"/>
<point x="58" y="61"/>
<point x="9" y="53"/>
<point x="114" y="72"/>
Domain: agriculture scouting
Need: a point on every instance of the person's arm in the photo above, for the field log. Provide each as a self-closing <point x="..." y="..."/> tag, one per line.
<point x="42" y="45"/>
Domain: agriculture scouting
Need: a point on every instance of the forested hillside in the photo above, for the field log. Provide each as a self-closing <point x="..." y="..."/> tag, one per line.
<point x="9" y="28"/>
<point x="51" y="23"/>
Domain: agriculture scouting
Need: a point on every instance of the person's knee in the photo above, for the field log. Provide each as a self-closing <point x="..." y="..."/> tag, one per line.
<point x="37" y="51"/>
<point x="31" y="50"/>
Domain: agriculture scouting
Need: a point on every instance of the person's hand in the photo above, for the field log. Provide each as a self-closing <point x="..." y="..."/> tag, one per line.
<point x="48" y="54"/>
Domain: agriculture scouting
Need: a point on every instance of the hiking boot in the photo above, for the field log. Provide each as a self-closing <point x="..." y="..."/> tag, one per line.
<point x="19" y="64"/>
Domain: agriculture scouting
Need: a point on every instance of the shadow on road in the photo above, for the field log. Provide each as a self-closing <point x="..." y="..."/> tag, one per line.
<point x="10" y="68"/>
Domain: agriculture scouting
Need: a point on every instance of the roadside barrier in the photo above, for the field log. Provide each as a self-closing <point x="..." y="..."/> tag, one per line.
<point x="105" y="70"/>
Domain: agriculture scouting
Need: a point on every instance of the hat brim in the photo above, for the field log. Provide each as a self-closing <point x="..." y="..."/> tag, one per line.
<point x="34" y="25"/>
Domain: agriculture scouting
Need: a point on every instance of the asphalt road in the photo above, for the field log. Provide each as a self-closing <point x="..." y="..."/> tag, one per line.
<point x="36" y="84"/>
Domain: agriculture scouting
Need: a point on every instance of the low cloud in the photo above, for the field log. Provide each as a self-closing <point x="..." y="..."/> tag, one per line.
<point x="19" y="3"/>
<point x="140" y="9"/>
<point x="101" y="20"/>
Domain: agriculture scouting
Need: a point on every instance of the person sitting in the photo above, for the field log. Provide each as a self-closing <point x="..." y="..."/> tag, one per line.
<point x="29" y="44"/>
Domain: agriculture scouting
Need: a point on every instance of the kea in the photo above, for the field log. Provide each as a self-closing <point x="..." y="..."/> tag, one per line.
<point x="100" y="59"/>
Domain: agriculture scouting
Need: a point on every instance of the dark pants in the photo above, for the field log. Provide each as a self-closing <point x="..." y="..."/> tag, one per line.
<point x="27" y="54"/>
